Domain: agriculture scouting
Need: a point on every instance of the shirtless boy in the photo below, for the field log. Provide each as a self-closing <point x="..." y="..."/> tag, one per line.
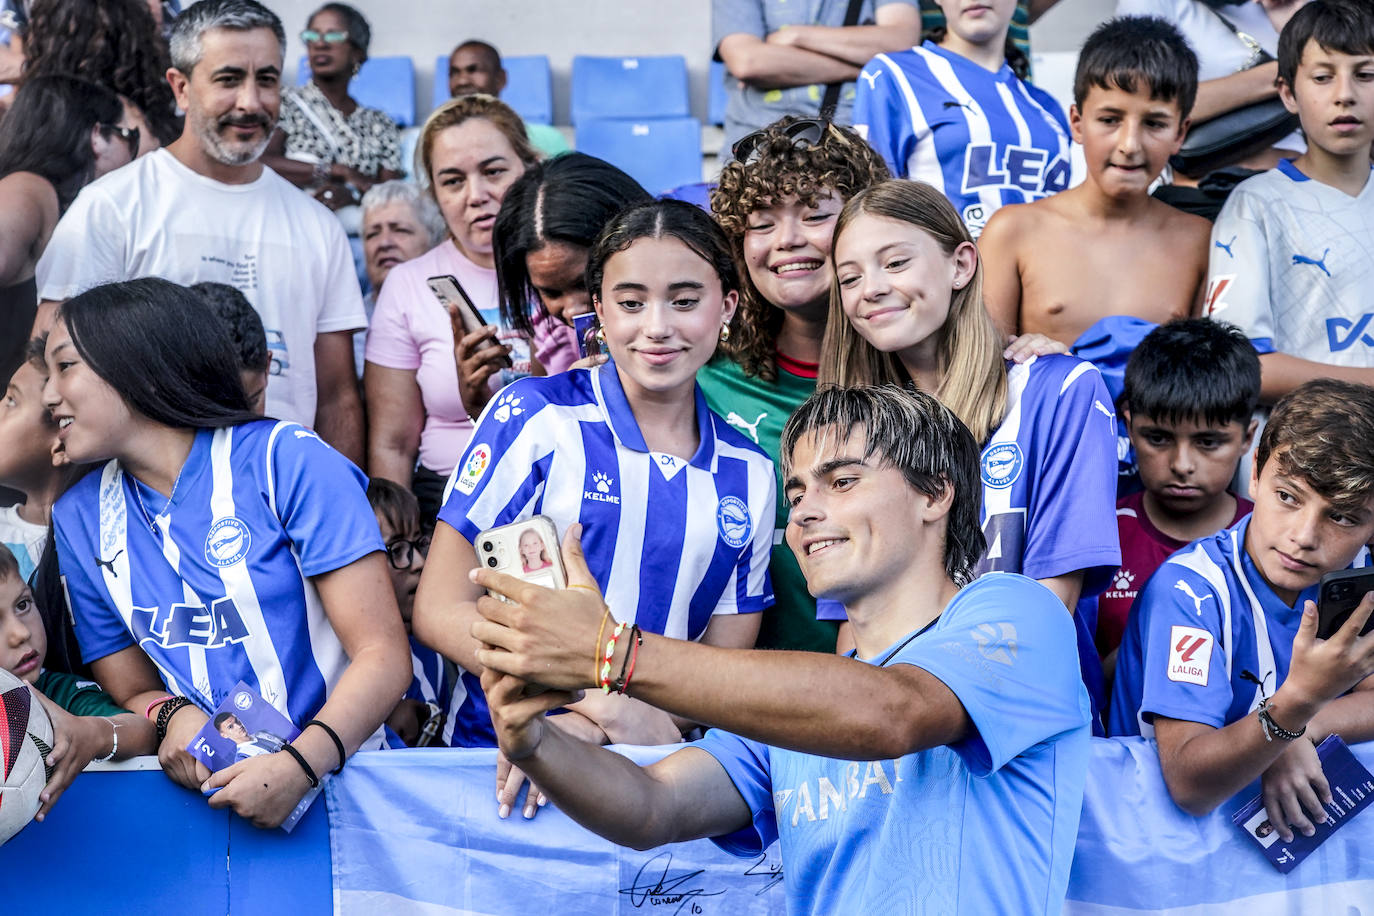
<point x="1106" y="247"/>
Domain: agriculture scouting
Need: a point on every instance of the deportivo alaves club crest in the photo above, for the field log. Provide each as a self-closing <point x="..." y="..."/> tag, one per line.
<point x="733" y="521"/>
<point x="227" y="543"/>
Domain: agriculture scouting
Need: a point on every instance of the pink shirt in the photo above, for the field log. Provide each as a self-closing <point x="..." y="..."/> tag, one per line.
<point x="411" y="330"/>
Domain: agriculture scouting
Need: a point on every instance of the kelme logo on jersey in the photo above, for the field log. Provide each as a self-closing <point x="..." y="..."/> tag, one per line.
<point x="227" y="543"/>
<point x="1001" y="464"/>
<point x="473" y="468"/>
<point x="732" y="518"/>
<point x="603" y="489"/>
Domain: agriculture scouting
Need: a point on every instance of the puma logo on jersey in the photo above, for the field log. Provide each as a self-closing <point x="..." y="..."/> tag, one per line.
<point x="1319" y="263"/>
<point x="1188" y="590"/>
<point x="110" y="563"/>
<point x="1226" y="246"/>
<point x="1098" y="405"/>
<point x="967" y="106"/>
<point x="739" y="422"/>
<point x="871" y="78"/>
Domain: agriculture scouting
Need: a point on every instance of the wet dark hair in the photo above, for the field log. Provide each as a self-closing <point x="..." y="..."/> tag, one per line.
<point x="1335" y="25"/>
<point x="242" y="322"/>
<point x="570" y="199"/>
<point x="914" y="433"/>
<point x="658" y="219"/>
<point x="48" y="131"/>
<point x="1193" y="369"/>
<point x="161" y="348"/>
<point x="114" y="43"/>
<point x="1138" y="54"/>
<point x="359" y="32"/>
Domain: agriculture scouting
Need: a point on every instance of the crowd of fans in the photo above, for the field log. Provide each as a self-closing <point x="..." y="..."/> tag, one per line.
<point x="901" y="395"/>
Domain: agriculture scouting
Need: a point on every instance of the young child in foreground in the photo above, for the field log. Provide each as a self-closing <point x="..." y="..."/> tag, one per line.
<point x="1191" y="387"/>
<point x="87" y="724"/>
<point x="1058" y="265"/>
<point x="1221" y="662"/>
<point x="1292" y="248"/>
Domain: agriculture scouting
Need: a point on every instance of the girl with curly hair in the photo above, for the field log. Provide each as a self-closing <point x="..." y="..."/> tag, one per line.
<point x="114" y="43"/>
<point x="778" y="202"/>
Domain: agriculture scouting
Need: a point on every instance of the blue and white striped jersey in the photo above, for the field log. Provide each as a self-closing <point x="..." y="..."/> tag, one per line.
<point x="984" y="138"/>
<point x="1049" y="475"/>
<point x="670" y="542"/>
<point x="1049" y="478"/>
<point x="214" y="584"/>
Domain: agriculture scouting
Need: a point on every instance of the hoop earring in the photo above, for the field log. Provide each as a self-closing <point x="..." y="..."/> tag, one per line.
<point x="725" y="333"/>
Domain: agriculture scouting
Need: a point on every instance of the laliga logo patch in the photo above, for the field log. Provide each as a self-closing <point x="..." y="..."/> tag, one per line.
<point x="732" y="518"/>
<point x="474" y="468"/>
<point x="1001" y="464"/>
<point x="227" y="543"/>
<point x="1190" y="655"/>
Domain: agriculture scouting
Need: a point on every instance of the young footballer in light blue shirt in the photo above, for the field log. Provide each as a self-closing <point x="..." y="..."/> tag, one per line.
<point x="939" y="770"/>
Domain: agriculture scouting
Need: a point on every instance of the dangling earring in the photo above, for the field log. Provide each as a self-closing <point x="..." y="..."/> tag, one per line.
<point x="356" y="67"/>
<point x="601" y="336"/>
<point x="725" y="333"/>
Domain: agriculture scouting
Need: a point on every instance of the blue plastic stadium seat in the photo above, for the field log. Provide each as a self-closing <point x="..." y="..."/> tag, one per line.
<point x="387" y="83"/>
<point x="660" y="154"/>
<point x="629" y="87"/>
<point x="717" y="97"/>
<point x="529" y="86"/>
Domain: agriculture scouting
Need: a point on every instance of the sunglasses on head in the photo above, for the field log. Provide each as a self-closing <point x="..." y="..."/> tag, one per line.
<point x="128" y="134"/>
<point x="310" y="36"/>
<point x="805" y="133"/>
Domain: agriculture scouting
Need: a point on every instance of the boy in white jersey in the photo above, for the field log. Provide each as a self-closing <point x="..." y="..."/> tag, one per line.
<point x="1292" y="257"/>
<point x="1058" y="265"/>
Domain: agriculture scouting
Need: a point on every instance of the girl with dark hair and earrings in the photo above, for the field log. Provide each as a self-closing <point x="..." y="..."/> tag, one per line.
<point x="325" y="141"/>
<point x="675" y="506"/>
<point x="209" y="546"/>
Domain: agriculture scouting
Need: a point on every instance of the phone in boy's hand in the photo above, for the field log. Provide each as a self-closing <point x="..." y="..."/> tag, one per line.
<point x="1338" y="596"/>
<point x="451" y="294"/>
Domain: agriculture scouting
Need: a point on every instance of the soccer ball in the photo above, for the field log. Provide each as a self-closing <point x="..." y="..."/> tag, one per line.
<point x="25" y="742"/>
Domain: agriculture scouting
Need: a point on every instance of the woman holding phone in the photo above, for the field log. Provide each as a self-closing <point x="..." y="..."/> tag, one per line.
<point x="420" y="398"/>
<point x="210" y="546"/>
<point x="676" y="507"/>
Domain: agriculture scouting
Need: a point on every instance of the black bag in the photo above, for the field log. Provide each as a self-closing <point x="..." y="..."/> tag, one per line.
<point x="1233" y="135"/>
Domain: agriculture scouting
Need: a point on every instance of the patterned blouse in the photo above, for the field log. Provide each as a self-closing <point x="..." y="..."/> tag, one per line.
<point x="366" y="140"/>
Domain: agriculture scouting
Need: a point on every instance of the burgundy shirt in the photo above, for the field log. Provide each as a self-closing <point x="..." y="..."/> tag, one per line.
<point x="1143" y="548"/>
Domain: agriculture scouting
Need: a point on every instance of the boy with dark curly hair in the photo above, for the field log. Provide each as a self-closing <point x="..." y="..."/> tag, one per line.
<point x="778" y="201"/>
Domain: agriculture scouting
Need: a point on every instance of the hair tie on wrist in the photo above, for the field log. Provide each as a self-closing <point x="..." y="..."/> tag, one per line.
<point x="333" y="736"/>
<point x="300" y="758"/>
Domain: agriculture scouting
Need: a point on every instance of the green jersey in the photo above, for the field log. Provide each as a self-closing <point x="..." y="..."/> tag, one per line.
<point x="759" y="409"/>
<point x="77" y="696"/>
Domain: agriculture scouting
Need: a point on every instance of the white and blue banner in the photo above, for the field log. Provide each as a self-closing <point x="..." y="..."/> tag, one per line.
<point x="1139" y="853"/>
<point x="417" y="832"/>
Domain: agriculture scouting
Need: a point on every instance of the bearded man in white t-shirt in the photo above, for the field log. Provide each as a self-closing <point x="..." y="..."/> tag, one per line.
<point x="205" y="209"/>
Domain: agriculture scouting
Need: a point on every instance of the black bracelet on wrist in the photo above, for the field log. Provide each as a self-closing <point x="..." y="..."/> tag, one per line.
<point x="333" y="736"/>
<point x="164" y="716"/>
<point x="300" y="758"/>
<point x="1273" y="729"/>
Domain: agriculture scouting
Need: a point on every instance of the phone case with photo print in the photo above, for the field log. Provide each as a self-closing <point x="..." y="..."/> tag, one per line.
<point x="499" y="549"/>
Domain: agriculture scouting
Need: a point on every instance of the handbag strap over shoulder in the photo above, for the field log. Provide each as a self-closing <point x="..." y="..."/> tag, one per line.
<point x="831" y="99"/>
